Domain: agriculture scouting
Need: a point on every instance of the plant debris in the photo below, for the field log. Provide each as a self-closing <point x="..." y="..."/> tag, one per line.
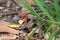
<point x="14" y="15"/>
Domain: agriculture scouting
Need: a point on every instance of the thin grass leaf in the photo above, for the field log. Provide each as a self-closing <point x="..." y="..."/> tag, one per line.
<point x="38" y="2"/>
<point x="56" y="5"/>
<point x="57" y="23"/>
<point x="31" y="9"/>
<point x="30" y="35"/>
<point x="53" y="35"/>
<point x="49" y="28"/>
<point x="45" y="5"/>
<point x="49" y="8"/>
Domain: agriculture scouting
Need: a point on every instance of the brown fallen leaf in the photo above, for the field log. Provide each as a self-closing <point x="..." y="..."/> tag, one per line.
<point x="4" y="27"/>
<point x="23" y="12"/>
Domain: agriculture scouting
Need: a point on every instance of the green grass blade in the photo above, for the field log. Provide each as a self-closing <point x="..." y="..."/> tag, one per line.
<point x="53" y="35"/>
<point x="31" y="9"/>
<point x="33" y="32"/>
<point x="56" y="5"/>
<point x="49" y="28"/>
<point x="45" y="5"/>
<point x="38" y="2"/>
<point x="49" y="8"/>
